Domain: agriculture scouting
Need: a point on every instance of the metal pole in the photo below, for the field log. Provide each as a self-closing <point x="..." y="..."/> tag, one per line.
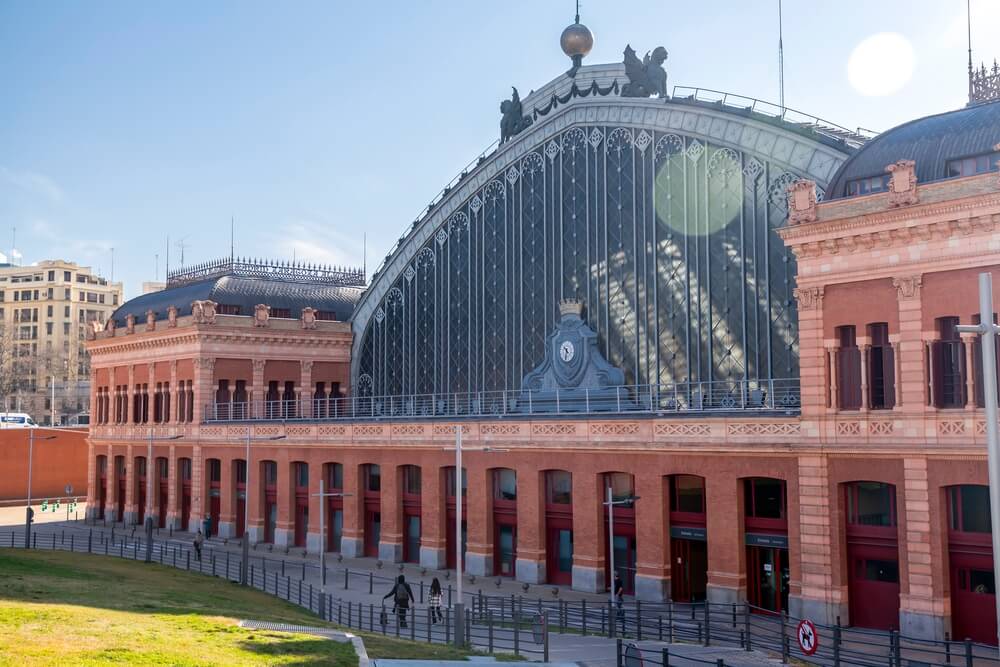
<point x="246" y="515"/>
<point x="322" y="536"/>
<point x="149" y="498"/>
<point x="611" y="548"/>
<point x="29" y="512"/>
<point x="987" y="331"/>
<point x="459" y="607"/>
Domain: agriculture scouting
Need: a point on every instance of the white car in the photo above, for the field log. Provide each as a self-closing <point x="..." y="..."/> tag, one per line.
<point x="16" y="420"/>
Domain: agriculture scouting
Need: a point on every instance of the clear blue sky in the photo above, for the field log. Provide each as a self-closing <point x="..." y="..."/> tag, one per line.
<point x="313" y="122"/>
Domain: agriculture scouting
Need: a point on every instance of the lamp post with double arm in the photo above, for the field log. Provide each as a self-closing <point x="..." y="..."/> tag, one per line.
<point x="987" y="332"/>
<point x="149" y="489"/>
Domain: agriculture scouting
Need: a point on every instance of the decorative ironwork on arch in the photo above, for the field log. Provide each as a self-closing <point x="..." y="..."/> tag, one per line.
<point x="667" y="239"/>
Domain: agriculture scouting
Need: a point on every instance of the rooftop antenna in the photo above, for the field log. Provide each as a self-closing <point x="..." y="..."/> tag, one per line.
<point x="13" y="231"/>
<point x="166" y="273"/>
<point x="577" y="12"/>
<point x="112" y="263"/>
<point x="232" y="238"/>
<point x="781" y="62"/>
<point x="156" y="274"/>
<point x="182" y="245"/>
<point x="364" y="243"/>
<point x="968" y="20"/>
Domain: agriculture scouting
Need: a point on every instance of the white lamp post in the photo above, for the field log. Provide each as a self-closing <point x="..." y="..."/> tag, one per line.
<point x="610" y="503"/>
<point x="149" y="491"/>
<point x="987" y="332"/>
<point x="460" y="605"/>
<point x="323" y="495"/>
<point x="30" y="513"/>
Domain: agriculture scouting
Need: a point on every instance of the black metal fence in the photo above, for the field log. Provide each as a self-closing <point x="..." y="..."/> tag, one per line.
<point x="524" y="635"/>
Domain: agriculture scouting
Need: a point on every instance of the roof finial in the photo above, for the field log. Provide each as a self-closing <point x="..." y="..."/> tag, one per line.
<point x="576" y="42"/>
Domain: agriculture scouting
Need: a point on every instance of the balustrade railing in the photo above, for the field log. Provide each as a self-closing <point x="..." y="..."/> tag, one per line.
<point x="778" y="395"/>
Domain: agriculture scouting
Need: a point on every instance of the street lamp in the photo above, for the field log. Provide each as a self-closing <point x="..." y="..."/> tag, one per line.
<point x="460" y="605"/>
<point x="149" y="491"/>
<point x="987" y="332"/>
<point x="322" y="524"/>
<point x="30" y="513"/>
<point x="245" y="564"/>
<point x="611" y="502"/>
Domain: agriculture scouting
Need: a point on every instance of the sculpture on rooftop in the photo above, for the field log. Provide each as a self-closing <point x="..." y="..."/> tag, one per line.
<point x="647" y="77"/>
<point x="512" y="119"/>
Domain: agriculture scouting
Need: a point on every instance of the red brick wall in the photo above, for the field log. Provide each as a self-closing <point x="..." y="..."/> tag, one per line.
<point x="56" y="463"/>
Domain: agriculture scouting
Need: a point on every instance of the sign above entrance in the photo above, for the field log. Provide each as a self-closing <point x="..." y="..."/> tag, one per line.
<point x="688" y="533"/>
<point x="761" y="540"/>
<point x="808" y="637"/>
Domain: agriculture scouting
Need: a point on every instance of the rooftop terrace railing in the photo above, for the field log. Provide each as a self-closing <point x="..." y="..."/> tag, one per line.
<point x="755" y="396"/>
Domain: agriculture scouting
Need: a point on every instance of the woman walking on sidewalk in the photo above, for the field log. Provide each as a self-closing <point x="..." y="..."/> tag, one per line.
<point x="434" y="601"/>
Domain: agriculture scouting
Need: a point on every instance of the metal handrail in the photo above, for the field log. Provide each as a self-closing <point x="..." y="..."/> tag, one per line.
<point x="853" y="138"/>
<point x="775" y="395"/>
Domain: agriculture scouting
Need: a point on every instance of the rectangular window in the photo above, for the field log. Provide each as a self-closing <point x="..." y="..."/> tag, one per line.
<point x="411" y="480"/>
<point x="871" y="504"/>
<point x="865" y="186"/>
<point x="326" y="315"/>
<point x="948" y="365"/>
<point x="970" y="508"/>
<point x="52" y="276"/>
<point x="48" y="311"/>
<point x="48" y="328"/>
<point x="281" y="312"/>
<point x="505" y="484"/>
<point x="559" y="487"/>
<point x="67" y="295"/>
<point x="65" y="328"/>
<point x="228" y="309"/>
<point x="65" y="311"/>
<point x="450" y="482"/>
<point x="373" y="478"/>
<point x="687" y="494"/>
<point x="975" y="164"/>
<point x="848" y="369"/>
<point x="336" y="473"/>
<point x="622" y="488"/>
<point x="66" y="276"/>
<point x="881" y="368"/>
<point x="301" y="474"/>
<point x="764" y="498"/>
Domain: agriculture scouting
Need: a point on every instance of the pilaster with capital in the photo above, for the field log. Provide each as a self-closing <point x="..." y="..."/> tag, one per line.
<point x="204" y="373"/>
<point x="304" y="391"/>
<point x="812" y="363"/>
<point x="171" y="416"/>
<point x="258" y="391"/>
<point x="912" y="394"/>
<point x="130" y="396"/>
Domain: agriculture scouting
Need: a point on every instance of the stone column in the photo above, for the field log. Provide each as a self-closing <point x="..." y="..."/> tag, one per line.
<point x="130" y="396"/>
<point x="928" y="379"/>
<point x="255" y="498"/>
<point x="352" y="544"/>
<point x="896" y="372"/>
<point x="589" y="541"/>
<point x="652" y="580"/>
<point x="284" y="531"/>
<point x="912" y="394"/>
<point x="726" y="543"/>
<point x="204" y="373"/>
<point x="390" y="547"/>
<point x="969" y="340"/>
<point x="433" y="535"/>
<point x="811" y="362"/>
<point x="130" y="481"/>
<point x="173" y="511"/>
<point x="95" y="401"/>
<point x="227" y="498"/>
<point x="304" y="393"/>
<point x="865" y="349"/>
<point x="819" y="600"/>
<point x="314" y="543"/>
<point x="923" y="605"/>
<point x="173" y="394"/>
<point x="530" y="564"/>
<point x="197" y="489"/>
<point x="92" y="493"/>
<point x="834" y="376"/>
<point x="479" y="526"/>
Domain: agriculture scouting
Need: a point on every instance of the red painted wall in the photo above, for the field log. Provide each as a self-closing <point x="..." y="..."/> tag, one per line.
<point x="56" y="463"/>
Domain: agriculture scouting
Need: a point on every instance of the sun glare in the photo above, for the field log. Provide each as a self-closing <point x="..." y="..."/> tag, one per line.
<point x="881" y="64"/>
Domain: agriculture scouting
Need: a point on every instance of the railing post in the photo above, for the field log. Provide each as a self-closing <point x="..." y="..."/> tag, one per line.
<point x="836" y="643"/>
<point x="489" y="629"/>
<point x="583" y="616"/>
<point x="670" y="622"/>
<point x="784" y="640"/>
<point x="447" y="625"/>
<point x="346" y="575"/>
<point x="708" y="625"/>
<point x="968" y="652"/>
<point x="618" y="653"/>
<point x="746" y="625"/>
<point x="666" y="656"/>
<point x="638" y="620"/>
<point x="545" y="638"/>
<point x="371" y="583"/>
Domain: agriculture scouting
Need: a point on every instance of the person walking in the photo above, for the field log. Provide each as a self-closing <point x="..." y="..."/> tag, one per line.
<point x="434" y="602"/>
<point x="401" y="595"/>
<point x="199" y="539"/>
<point x="620" y="600"/>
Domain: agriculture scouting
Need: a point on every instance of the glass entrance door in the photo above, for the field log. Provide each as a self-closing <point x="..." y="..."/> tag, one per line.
<point x="689" y="570"/>
<point x="560" y="556"/>
<point x="767" y="578"/>
<point x="506" y="550"/>
<point x="411" y="540"/>
<point x="625" y="548"/>
<point x="373" y="532"/>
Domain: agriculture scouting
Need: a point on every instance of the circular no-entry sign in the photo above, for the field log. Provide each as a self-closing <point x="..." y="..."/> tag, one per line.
<point x="807" y="636"/>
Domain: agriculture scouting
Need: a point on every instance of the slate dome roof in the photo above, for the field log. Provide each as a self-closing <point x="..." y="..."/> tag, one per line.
<point x="930" y="141"/>
<point x="246" y="284"/>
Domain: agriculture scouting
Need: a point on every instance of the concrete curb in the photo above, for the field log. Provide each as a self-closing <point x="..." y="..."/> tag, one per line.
<point x="326" y="633"/>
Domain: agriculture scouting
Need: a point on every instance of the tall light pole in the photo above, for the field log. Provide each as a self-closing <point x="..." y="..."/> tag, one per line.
<point x="323" y="495"/>
<point x="149" y="490"/>
<point x="245" y="563"/>
<point x="610" y="503"/>
<point x="30" y="513"/>
<point x="459" y="489"/>
<point x="987" y="332"/>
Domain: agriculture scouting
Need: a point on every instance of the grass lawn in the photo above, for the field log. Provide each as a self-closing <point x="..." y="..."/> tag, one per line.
<point x="75" y="609"/>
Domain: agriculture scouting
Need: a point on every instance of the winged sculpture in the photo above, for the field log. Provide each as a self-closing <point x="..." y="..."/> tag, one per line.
<point x="646" y="77"/>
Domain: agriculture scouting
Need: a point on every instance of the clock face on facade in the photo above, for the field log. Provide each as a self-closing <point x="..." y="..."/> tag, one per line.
<point x="566" y="351"/>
